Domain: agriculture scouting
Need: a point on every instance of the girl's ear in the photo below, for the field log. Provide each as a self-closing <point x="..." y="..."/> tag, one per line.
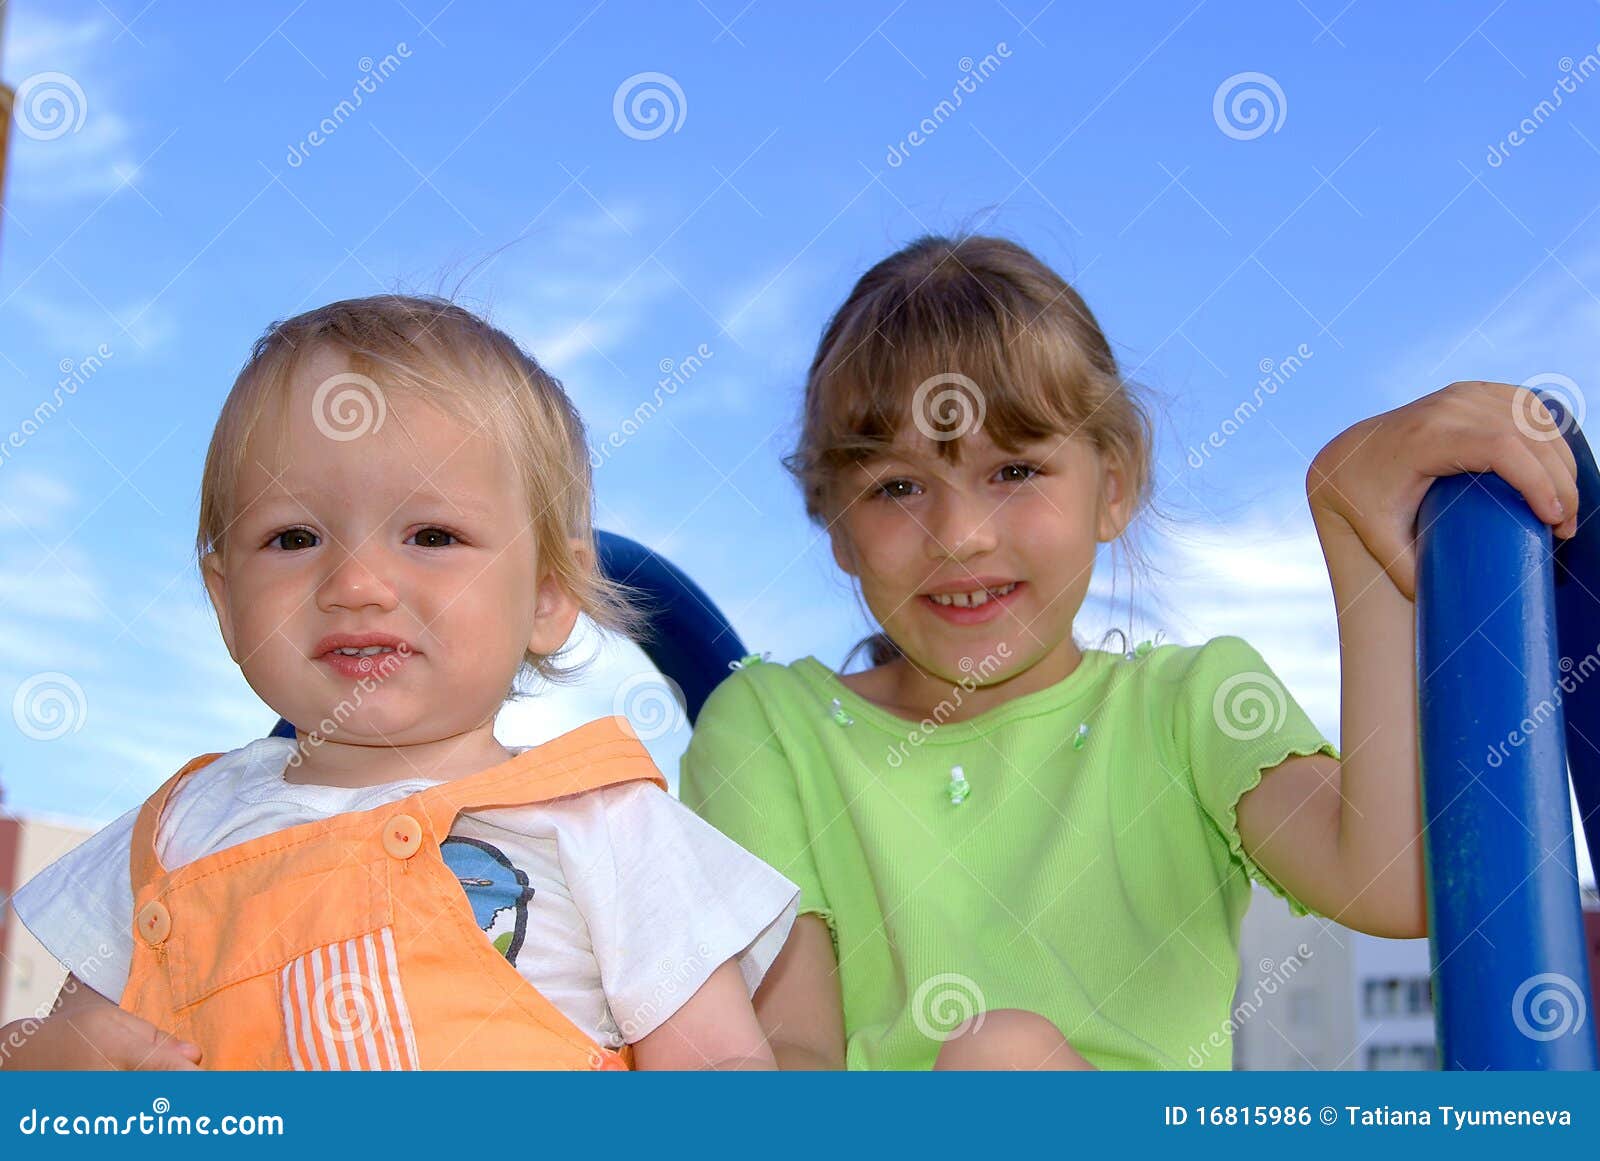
<point x="555" y="610"/>
<point x="843" y="551"/>
<point x="1114" y="501"/>
<point x="217" y="589"/>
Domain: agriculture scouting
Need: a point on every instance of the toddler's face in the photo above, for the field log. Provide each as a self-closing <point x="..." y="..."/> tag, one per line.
<point x="414" y="536"/>
<point x="956" y="560"/>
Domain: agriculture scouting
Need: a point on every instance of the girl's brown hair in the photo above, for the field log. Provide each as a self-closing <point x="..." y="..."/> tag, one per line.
<point x="473" y="371"/>
<point x="948" y="331"/>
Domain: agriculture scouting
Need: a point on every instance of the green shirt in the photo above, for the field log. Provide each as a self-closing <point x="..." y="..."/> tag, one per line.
<point x="1100" y="884"/>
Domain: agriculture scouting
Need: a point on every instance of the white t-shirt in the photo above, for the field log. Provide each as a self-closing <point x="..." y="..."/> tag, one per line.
<point x="617" y="904"/>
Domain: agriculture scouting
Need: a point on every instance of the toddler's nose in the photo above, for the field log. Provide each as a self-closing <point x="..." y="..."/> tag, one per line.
<point x="355" y="583"/>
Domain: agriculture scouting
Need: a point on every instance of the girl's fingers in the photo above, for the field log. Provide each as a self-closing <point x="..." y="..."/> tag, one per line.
<point x="1538" y="478"/>
<point x="1545" y="440"/>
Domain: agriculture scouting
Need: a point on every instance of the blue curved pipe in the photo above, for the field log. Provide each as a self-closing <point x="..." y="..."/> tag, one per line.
<point x="687" y="637"/>
<point x="1510" y="960"/>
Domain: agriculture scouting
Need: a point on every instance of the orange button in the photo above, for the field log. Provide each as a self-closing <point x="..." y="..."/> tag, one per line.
<point x="155" y="923"/>
<point x="402" y="836"/>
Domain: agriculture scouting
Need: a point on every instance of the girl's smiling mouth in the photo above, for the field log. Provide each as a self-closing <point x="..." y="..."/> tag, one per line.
<point x="972" y="602"/>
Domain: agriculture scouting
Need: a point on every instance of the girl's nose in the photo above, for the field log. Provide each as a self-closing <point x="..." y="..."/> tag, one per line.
<point x="961" y="526"/>
<point x="356" y="582"/>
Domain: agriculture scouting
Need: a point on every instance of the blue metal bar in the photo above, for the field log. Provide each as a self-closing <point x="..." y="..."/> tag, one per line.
<point x="688" y="638"/>
<point x="1510" y="961"/>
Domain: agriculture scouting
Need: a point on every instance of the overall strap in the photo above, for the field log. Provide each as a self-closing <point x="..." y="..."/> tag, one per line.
<point x="143" y="863"/>
<point x="604" y="752"/>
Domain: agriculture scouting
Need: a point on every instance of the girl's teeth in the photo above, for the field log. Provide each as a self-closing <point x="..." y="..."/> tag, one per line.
<point x="973" y="599"/>
<point x="366" y="652"/>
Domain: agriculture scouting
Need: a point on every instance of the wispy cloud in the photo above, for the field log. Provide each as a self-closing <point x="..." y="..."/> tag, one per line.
<point x="98" y="156"/>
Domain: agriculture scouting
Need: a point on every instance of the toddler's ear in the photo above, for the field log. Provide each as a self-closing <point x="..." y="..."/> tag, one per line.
<point x="217" y="590"/>
<point x="555" y="609"/>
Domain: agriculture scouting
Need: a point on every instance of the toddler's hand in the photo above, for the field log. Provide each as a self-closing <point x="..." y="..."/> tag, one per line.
<point x="1374" y="475"/>
<point x="86" y="1031"/>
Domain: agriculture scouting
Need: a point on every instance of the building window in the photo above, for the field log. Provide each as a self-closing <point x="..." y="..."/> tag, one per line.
<point x="1394" y="996"/>
<point x="1400" y="1057"/>
<point x="1305" y="1007"/>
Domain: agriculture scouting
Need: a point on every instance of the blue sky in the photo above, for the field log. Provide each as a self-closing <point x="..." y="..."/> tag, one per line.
<point x="181" y="206"/>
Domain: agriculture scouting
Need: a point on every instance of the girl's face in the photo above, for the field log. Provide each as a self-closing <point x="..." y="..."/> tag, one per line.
<point x="980" y="566"/>
<point x="414" y="537"/>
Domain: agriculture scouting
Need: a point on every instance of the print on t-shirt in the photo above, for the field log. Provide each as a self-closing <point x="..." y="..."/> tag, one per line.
<point x="498" y="891"/>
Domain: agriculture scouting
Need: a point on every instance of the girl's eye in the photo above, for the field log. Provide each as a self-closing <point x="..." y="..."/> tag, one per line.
<point x="434" y="538"/>
<point x="896" y="489"/>
<point x="295" y="539"/>
<point x="1017" y="473"/>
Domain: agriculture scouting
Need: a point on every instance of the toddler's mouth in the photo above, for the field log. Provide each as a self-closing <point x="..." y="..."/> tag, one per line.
<point x="363" y="654"/>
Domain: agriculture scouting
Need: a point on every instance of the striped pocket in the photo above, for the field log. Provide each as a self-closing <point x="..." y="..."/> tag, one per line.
<point x="344" y="1010"/>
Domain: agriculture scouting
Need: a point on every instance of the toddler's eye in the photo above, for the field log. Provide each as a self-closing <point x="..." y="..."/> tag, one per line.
<point x="1017" y="473"/>
<point x="295" y="539"/>
<point x="434" y="538"/>
<point x="896" y="489"/>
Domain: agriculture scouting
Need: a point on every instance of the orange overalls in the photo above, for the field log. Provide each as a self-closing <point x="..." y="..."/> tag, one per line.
<point x="348" y="943"/>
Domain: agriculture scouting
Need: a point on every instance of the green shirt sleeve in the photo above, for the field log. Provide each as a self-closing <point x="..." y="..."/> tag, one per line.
<point x="737" y="776"/>
<point x="1234" y="720"/>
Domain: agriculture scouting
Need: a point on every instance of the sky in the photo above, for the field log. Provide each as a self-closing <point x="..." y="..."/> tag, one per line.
<point x="1329" y="196"/>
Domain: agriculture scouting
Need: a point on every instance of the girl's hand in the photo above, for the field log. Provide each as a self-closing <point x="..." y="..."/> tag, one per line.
<point x="1373" y="476"/>
<point x="86" y="1031"/>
